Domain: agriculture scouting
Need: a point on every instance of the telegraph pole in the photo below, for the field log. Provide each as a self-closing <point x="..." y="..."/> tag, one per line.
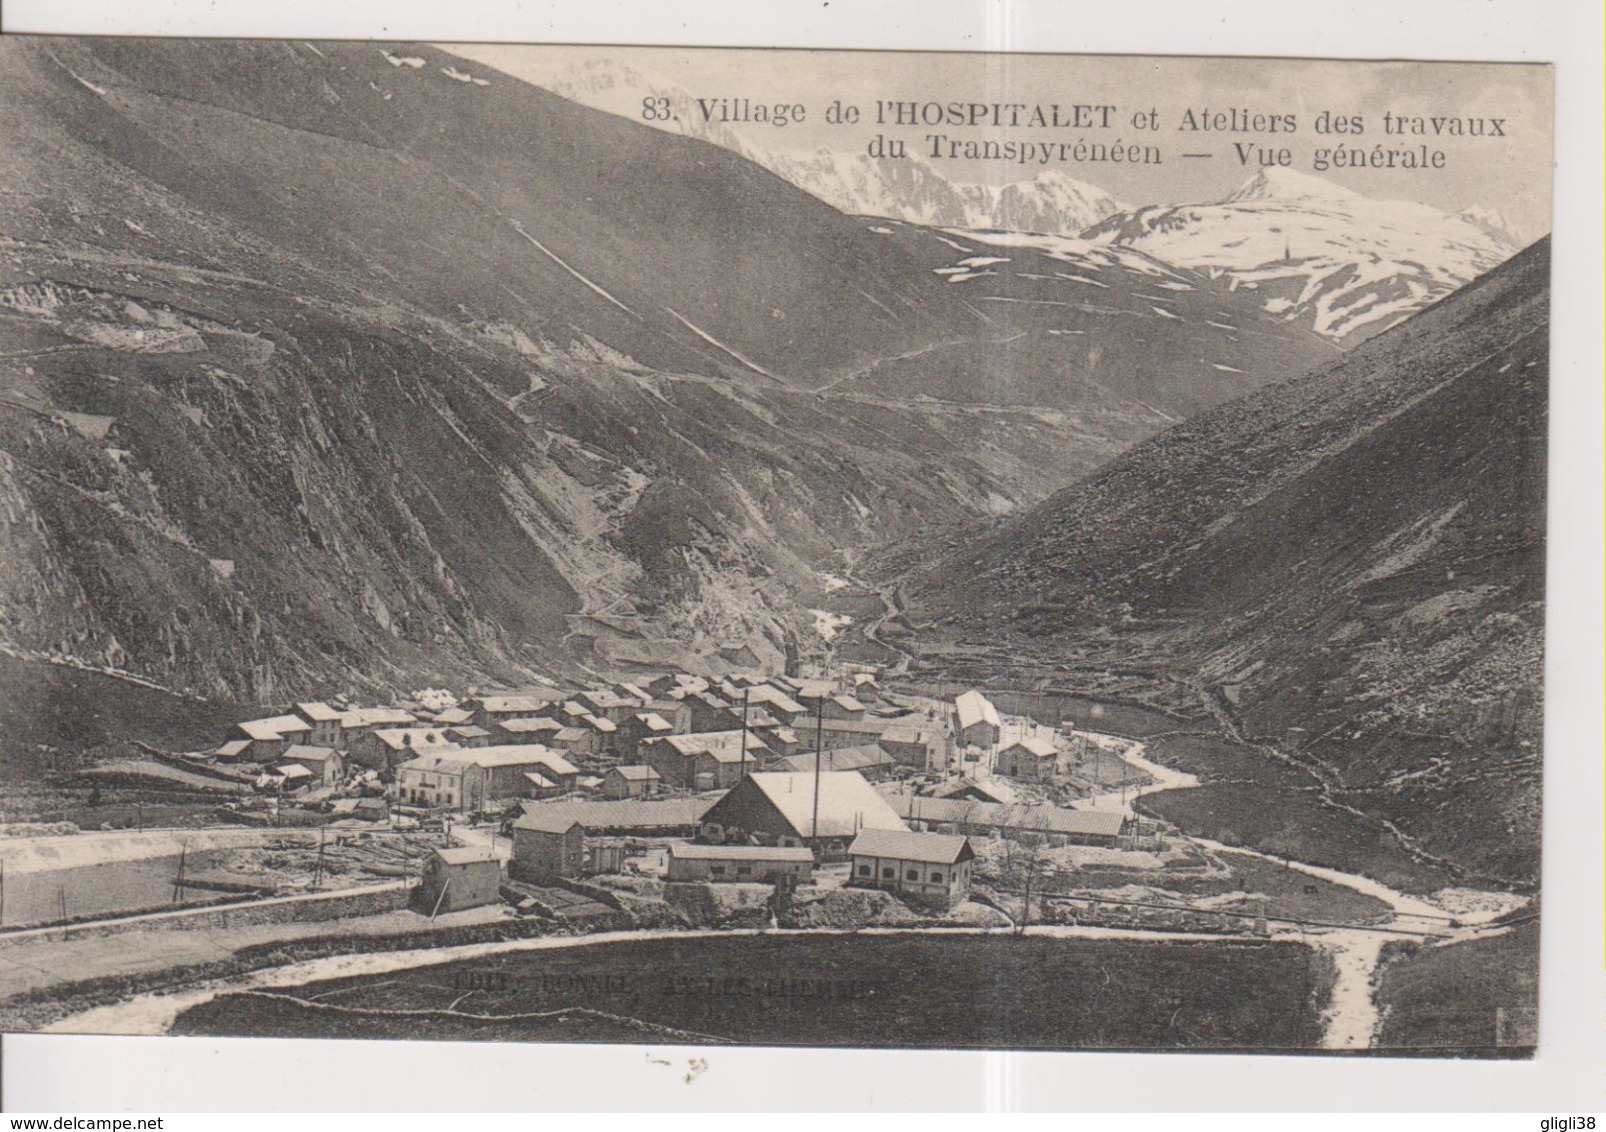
<point x="317" y="876"/>
<point x="819" y="734"/>
<point x="745" y="692"/>
<point x="178" y="881"/>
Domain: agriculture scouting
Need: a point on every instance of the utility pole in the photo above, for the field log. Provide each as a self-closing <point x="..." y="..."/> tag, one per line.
<point x="317" y="875"/>
<point x="819" y="733"/>
<point x="745" y="692"/>
<point x="178" y="881"/>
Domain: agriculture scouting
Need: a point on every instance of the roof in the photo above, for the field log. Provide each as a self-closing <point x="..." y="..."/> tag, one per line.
<point x="654" y="722"/>
<point x="469" y="731"/>
<point x="606" y="699"/>
<point x="847" y="802"/>
<point x="689" y="852"/>
<point x="972" y="708"/>
<point x="292" y="770"/>
<point x="515" y="705"/>
<point x="913" y="735"/>
<point x="453" y="715"/>
<point x="992" y="815"/>
<point x="419" y="738"/>
<point x="599" y="723"/>
<point x="843" y="758"/>
<point x="760" y="717"/>
<point x="933" y="848"/>
<point x="296" y="752"/>
<point x="274" y="727"/>
<point x="525" y="725"/>
<point x="318" y="712"/>
<point x="377" y="717"/>
<point x="667" y="813"/>
<point x="1039" y="748"/>
<point x="466" y="855"/>
<point x="539" y="781"/>
<point x="869" y="725"/>
<point x="636" y="773"/>
<point x="229" y="750"/>
<point x="991" y="789"/>
<point x="765" y="694"/>
<point x="848" y="703"/>
<point x="726" y="746"/>
<point x="446" y="760"/>
<point x="543" y="821"/>
<point x="523" y="754"/>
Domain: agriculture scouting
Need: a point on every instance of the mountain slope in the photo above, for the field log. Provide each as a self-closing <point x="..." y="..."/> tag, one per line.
<point x="1358" y="553"/>
<point x="1114" y="326"/>
<point x="336" y="366"/>
<point x="676" y="253"/>
<point x="1317" y="254"/>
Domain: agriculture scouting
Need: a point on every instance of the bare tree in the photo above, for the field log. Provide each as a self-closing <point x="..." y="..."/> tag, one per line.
<point x="1024" y="861"/>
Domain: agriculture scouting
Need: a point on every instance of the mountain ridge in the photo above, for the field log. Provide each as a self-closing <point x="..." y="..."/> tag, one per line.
<point x="1357" y="553"/>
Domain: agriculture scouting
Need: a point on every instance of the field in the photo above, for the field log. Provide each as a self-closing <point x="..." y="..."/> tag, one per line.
<point x="1480" y="995"/>
<point x="828" y="990"/>
<point x="1294" y="824"/>
<point x="1245" y="798"/>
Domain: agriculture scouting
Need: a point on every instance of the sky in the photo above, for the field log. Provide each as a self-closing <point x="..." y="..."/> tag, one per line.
<point x="1510" y="173"/>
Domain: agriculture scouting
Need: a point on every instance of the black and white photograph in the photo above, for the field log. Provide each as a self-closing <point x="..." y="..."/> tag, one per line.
<point x="869" y="549"/>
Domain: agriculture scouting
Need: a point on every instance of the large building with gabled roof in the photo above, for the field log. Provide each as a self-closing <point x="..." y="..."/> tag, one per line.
<point x="780" y="809"/>
<point x="975" y="721"/>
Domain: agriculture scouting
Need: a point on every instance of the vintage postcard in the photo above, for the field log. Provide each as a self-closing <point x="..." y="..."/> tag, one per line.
<point x="857" y="549"/>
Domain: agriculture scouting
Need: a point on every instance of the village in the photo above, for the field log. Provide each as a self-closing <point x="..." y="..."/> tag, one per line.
<point x="541" y="795"/>
<point x="739" y="799"/>
<point x="659" y="807"/>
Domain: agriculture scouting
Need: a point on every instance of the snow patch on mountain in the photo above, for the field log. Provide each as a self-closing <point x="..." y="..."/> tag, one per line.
<point x="914" y="191"/>
<point x="1346" y="265"/>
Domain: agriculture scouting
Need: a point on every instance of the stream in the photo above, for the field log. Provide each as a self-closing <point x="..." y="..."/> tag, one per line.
<point x="1352" y="1018"/>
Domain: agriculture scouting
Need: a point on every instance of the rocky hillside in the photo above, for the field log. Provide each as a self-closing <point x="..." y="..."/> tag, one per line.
<point x="1118" y="326"/>
<point x="328" y="367"/>
<point x="1348" y="566"/>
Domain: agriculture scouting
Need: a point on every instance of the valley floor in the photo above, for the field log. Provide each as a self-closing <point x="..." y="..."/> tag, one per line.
<point x="1357" y="986"/>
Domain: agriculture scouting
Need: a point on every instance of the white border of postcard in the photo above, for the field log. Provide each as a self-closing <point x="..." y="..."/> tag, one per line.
<point x="88" y="1074"/>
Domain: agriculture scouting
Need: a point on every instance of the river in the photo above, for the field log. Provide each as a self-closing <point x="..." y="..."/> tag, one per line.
<point x="1352" y="1018"/>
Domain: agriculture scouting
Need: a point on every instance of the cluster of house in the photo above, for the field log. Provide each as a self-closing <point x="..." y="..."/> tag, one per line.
<point x="979" y="735"/>
<point x="670" y="733"/>
<point x="770" y="827"/>
<point x="781" y="825"/>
